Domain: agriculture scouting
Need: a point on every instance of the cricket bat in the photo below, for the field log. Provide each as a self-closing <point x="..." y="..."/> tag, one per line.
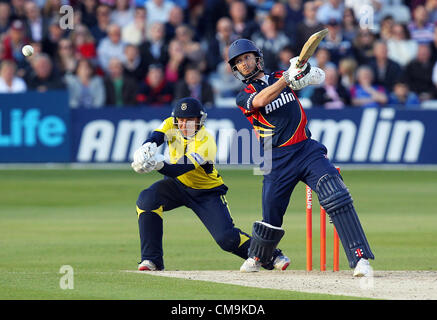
<point x="310" y="46"/>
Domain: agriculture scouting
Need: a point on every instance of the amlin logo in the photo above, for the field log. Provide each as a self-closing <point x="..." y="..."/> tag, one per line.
<point x="377" y="138"/>
<point x="27" y="128"/>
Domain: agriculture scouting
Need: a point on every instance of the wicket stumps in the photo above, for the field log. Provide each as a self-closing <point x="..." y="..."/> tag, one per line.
<point x="309" y="236"/>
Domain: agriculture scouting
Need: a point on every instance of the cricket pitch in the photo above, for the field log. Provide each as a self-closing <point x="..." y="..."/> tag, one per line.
<point x="392" y="285"/>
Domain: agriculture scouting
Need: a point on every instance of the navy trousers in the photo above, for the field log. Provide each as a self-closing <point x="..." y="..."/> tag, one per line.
<point x="306" y="162"/>
<point x="210" y="206"/>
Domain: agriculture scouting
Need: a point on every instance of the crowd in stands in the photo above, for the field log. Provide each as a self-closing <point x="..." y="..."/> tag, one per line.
<point x="151" y="52"/>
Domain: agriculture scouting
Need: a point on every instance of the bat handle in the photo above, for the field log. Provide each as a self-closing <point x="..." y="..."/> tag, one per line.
<point x="300" y="64"/>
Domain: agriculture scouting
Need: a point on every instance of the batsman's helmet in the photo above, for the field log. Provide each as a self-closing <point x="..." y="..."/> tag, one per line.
<point x="239" y="47"/>
<point x="189" y="108"/>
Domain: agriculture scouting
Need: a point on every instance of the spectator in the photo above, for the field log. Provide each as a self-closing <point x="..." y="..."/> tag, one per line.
<point x="84" y="87"/>
<point x="279" y="12"/>
<point x="385" y="31"/>
<point x="270" y="40"/>
<point x="177" y="61"/>
<point x="349" y="25"/>
<point x="88" y="9"/>
<point x="243" y="27"/>
<point x="5" y="17"/>
<point x="175" y="19"/>
<point x="223" y="38"/>
<point x="120" y="90"/>
<point x="224" y="84"/>
<point x="368" y="9"/>
<point x="286" y="24"/>
<point x="433" y="47"/>
<point x="294" y="17"/>
<point x="122" y="14"/>
<point x="215" y="9"/>
<point x="65" y="61"/>
<point x="331" y="95"/>
<point x="420" y="28"/>
<point x="322" y="59"/>
<point x="158" y="11"/>
<point x="83" y="42"/>
<point x="194" y="86"/>
<point x="18" y="12"/>
<point x="13" y="41"/>
<point x="24" y="67"/>
<point x="43" y="77"/>
<point x="401" y="96"/>
<point x="111" y="47"/>
<point x="335" y="43"/>
<point x="362" y="47"/>
<point x="347" y="68"/>
<point x="364" y="93"/>
<point x="431" y="7"/>
<point x="261" y="7"/>
<point x="51" y="39"/>
<point x="2" y="49"/>
<point x="99" y="31"/>
<point x="36" y="25"/>
<point x="401" y="48"/>
<point x="135" y="32"/>
<point x="155" y="90"/>
<point x="134" y="65"/>
<point x="330" y="10"/>
<point x="284" y="56"/>
<point x="386" y="71"/>
<point x="9" y="82"/>
<point x="308" y="26"/>
<point x="197" y="19"/>
<point x="401" y="13"/>
<point x="51" y="9"/>
<point x="192" y="49"/>
<point x="418" y="74"/>
<point x="154" y="48"/>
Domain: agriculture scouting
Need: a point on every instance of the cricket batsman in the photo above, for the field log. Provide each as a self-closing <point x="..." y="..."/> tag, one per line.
<point x="271" y="105"/>
<point x="191" y="180"/>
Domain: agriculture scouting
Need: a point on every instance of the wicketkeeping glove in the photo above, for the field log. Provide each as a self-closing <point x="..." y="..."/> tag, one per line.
<point x="142" y="155"/>
<point x="156" y="162"/>
<point x="145" y="152"/>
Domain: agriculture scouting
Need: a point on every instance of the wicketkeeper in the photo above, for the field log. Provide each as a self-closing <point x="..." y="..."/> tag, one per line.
<point x="271" y="105"/>
<point x="191" y="180"/>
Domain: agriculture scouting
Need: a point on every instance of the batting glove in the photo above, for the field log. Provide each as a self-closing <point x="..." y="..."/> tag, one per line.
<point x="299" y="78"/>
<point x="296" y="78"/>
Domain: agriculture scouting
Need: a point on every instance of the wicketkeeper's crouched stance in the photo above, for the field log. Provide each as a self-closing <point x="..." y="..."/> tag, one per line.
<point x="191" y="180"/>
<point x="270" y="104"/>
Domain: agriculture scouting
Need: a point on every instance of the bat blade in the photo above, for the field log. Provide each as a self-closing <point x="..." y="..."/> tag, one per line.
<point x="310" y="46"/>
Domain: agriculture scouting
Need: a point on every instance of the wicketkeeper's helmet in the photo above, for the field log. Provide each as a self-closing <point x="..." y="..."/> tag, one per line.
<point x="189" y="108"/>
<point x="239" y="47"/>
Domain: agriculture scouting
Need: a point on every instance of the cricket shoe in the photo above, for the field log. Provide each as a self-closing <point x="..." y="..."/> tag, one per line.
<point x="250" y="265"/>
<point x="147" y="265"/>
<point x="281" y="262"/>
<point x="363" y="268"/>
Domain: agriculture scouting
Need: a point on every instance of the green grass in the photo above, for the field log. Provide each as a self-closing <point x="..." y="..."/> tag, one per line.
<point x="87" y="219"/>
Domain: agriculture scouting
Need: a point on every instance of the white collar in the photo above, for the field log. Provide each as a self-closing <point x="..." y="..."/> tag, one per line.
<point x="265" y="79"/>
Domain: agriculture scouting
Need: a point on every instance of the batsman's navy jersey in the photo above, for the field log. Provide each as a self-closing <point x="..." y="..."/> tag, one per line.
<point x="283" y="120"/>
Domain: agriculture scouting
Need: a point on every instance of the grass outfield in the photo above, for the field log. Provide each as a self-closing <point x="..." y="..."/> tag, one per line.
<point x="86" y="219"/>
